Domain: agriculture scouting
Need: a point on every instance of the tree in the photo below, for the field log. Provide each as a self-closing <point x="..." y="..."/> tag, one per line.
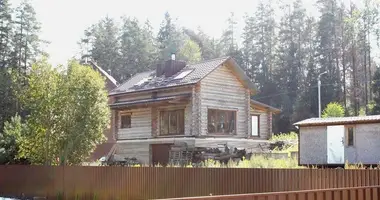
<point x="137" y="47"/>
<point x="190" y="52"/>
<point x="26" y="41"/>
<point x="333" y="109"/>
<point x="8" y="140"/>
<point x="169" y="38"/>
<point x="376" y="92"/>
<point x="68" y="113"/>
<point x="210" y="48"/>
<point x="103" y="45"/>
<point x="5" y="32"/>
<point x="328" y="50"/>
<point x="7" y="101"/>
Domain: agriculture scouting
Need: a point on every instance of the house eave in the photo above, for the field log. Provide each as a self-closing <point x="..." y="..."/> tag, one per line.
<point x="265" y="106"/>
<point x="150" y="90"/>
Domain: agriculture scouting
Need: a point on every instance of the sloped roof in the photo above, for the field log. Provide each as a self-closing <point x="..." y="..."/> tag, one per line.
<point x="271" y="108"/>
<point x="338" y="120"/>
<point x="198" y="72"/>
<point x="104" y="73"/>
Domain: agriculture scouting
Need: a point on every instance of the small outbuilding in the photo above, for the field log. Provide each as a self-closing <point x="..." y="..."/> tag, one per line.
<point x="333" y="141"/>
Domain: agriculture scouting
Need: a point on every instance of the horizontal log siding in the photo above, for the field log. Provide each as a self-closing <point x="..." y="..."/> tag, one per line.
<point x="222" y="90"/>
<point x="140" y="125"/>
<point x="264" y="126"/>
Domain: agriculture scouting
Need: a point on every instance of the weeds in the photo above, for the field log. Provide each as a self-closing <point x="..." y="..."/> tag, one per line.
<point x="292" y="136"/>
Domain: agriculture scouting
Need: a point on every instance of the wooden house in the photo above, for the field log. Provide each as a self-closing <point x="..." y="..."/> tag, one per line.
<point x="200" y="105"/>
<point x="333" y="141"/>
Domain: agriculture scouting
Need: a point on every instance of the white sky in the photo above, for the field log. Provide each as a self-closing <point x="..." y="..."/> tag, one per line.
<point x="64" y="21"/>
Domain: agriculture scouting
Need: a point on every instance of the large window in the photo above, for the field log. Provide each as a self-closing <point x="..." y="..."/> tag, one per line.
<point x="221" y="121"/>
<point x="172" y="122"/>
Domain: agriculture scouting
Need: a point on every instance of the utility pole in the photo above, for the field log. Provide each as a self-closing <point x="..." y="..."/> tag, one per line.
<point x="319" y="93"/>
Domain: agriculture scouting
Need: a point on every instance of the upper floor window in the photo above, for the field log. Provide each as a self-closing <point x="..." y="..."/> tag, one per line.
<point x="221" y="121"/>
<point x="172" y="122"/>
<point x="125" y="121"/>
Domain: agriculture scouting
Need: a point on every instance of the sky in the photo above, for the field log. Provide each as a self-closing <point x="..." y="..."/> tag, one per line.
<point x="64" y="21"/>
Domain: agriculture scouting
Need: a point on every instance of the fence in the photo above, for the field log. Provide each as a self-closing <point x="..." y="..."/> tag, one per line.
<point x="153" y="183"/>
<point x="357" y="193"/>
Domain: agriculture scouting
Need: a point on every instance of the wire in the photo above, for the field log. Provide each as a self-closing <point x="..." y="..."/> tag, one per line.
<point x="311" y="87"/>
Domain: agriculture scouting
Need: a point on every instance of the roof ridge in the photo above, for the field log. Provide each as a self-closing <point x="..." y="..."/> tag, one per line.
<point x="210" y="60"/>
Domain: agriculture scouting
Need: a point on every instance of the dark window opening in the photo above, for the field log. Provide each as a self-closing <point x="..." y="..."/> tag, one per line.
<point x="125" y="121"/>
<point x="172" y="122"/>
<point x="221" y="121"/>
<point x="350" y="136"/>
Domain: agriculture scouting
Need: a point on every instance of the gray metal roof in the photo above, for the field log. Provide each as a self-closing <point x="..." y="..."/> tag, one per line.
<point x="198" y="72"/>
<point x="338" y="120"/>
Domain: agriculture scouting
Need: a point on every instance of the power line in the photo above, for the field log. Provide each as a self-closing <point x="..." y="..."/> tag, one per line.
<point x="311" y="87"/>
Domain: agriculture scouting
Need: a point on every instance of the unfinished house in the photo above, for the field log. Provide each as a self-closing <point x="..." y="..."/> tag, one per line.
<point x="202" y="105"/>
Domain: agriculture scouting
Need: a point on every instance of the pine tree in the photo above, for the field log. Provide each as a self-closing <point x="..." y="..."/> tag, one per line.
<point x="328" y="51"/>
<point x="169" y="38"/>
<point x="376" y="92"/>
<point x="104" y="47"/>
<point x="5" y="32"/>
<point x="291" y="60"/>
<point x="26" y="41"/>
<point x="137" y="47"/>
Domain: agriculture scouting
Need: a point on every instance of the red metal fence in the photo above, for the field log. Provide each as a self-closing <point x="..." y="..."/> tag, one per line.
<point x="152" y="183"/>
<point x="356" y="193"/>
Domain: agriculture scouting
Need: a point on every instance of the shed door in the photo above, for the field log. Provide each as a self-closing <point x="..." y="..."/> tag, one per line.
<point x="335" y="144"/>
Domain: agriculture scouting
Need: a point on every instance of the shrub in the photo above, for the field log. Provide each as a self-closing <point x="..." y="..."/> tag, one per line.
<point x="333" y="109"/>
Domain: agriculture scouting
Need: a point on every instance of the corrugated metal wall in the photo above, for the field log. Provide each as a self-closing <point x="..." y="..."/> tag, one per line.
<point x="151" y="183"/>
<point x="357" y="193"/>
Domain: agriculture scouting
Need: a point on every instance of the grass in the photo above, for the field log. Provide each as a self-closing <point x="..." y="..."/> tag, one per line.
<point x="292" y="136"/>
<point x="254" y="162"/>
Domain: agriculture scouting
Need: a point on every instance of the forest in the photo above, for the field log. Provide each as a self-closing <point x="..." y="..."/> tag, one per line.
<point x="282" y="55"/>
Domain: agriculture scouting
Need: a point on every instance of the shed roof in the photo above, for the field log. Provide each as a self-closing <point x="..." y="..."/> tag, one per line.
<point x="197" y="72"/>
<point x="339" y="120"/>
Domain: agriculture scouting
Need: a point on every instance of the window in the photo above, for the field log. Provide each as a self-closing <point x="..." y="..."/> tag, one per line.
<point x="125" y="121"/>
<point x="183" y="74"/>
<point x="172" y="122"/>
<point x="350" y="136"/>
<point x="221" y="121"/>
<point x="255" y="125"/>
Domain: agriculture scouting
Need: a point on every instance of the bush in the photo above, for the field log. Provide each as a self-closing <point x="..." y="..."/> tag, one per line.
<point x="333" y="109"/>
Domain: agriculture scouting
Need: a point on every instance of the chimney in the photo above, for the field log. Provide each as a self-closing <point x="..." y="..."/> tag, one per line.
<point x="170" y="67"/>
